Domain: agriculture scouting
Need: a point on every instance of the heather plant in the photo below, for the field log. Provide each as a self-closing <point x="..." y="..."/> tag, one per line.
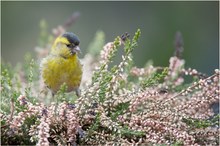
<point x="119" y="103"/>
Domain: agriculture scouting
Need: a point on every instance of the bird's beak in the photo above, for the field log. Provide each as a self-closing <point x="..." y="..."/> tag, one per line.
<point x="76" y="50"/>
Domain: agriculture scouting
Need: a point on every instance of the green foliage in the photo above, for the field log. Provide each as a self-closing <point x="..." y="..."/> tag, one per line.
<point x="129" y="133"/>
<point x="154" y="79"/>
<point x="6" y="85"/>
<point x="14" y="79"/>
<point x="61" y="94"/>
<point x="102" y="70"/>
<point x="128" y="49"/>
<point x="103" y="78"/>
<point x="29" y="79"/>
<point x="120" y="109"/>
<point x="113" y="108"/>
<point x="9" y="92"/>
<point x="95" y="126"/>
<point x="202" y="123"/>
<point x="31" y="68"/>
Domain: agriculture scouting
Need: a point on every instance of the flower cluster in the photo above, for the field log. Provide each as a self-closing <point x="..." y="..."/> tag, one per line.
<point x="43" y="133"/>
<point x="120" y="103"/>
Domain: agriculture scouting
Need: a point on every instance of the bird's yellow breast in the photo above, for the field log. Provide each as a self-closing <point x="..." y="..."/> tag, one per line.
<point x="56" y="70"/>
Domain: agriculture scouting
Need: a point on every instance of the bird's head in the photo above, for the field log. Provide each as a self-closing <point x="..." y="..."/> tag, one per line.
<point x="66" y="45"/>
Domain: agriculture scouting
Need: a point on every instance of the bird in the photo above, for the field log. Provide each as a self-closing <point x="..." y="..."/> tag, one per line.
<point x="62" y="65"/>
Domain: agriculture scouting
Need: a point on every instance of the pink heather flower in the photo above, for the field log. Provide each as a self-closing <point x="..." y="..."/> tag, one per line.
<point x="175" y="65"/>
<point x="106" y="50"/>
<point x="43" y="133"/>
<point x="22" y="99"/>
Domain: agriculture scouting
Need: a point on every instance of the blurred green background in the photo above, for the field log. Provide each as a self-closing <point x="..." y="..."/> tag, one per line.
<point x="158" y="21"/>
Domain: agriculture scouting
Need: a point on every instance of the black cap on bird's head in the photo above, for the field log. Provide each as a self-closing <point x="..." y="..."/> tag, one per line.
<point x="72" y="38"/>
<point x="74" y="42"/>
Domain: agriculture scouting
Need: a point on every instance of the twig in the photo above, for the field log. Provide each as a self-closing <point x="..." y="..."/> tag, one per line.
<point x="210" y="77"/>
<point x="12" y="110"/>
<point x="62" y="28"/>
<point x="71" y="20"/>
<point x="178" y="44"/>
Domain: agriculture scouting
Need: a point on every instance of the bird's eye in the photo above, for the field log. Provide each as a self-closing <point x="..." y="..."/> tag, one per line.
<point x="69" y="45"/>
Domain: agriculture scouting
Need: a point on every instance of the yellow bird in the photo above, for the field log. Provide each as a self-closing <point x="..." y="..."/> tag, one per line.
<point x="62" y="65"/>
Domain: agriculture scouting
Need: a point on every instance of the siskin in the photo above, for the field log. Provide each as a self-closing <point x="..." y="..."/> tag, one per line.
<point x="62" y="65"/>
